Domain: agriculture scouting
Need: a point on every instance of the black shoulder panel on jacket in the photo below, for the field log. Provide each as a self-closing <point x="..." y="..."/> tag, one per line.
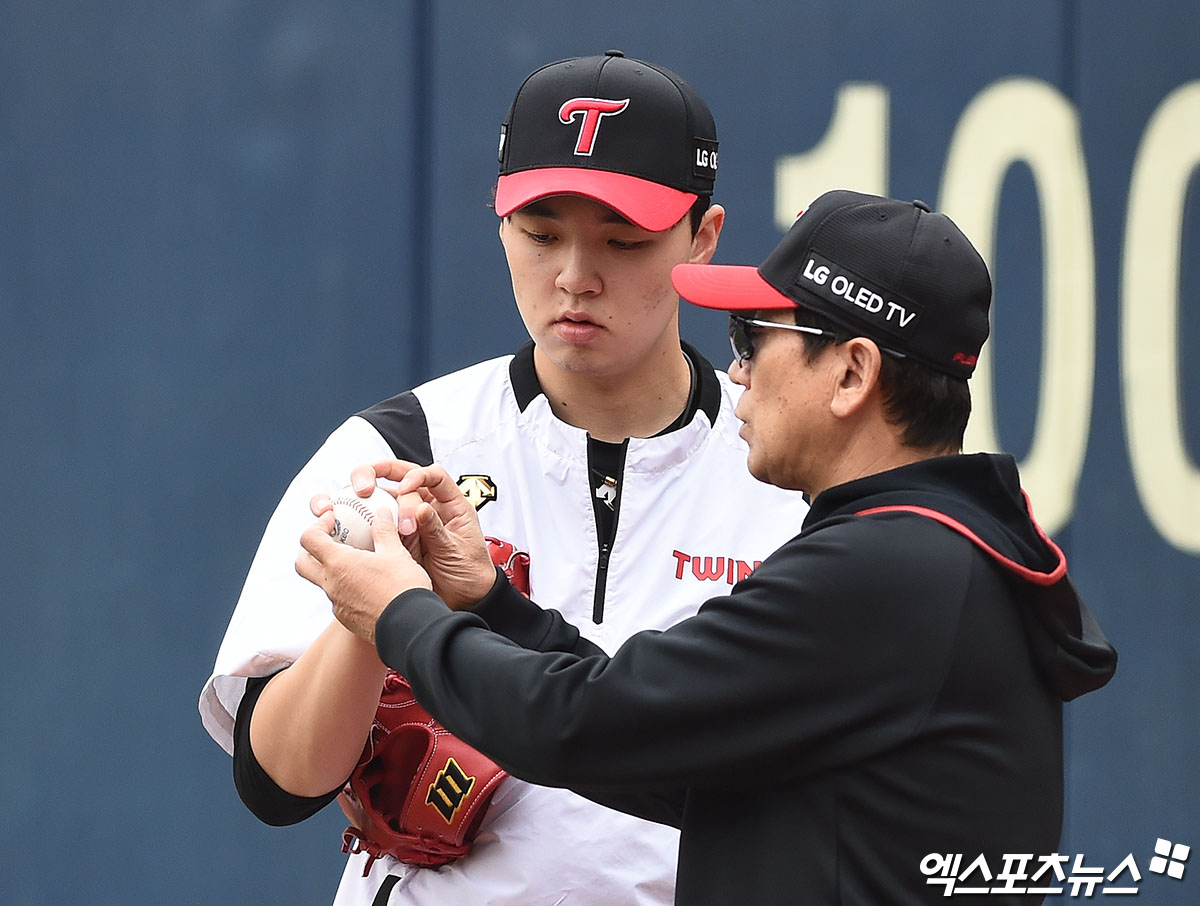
<point x="523" y="376"/>
<point x="709" y="396"/>
<point x="401" y="421"/>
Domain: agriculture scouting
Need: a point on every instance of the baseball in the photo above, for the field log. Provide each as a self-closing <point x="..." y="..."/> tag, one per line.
<point x="353" y="516"/>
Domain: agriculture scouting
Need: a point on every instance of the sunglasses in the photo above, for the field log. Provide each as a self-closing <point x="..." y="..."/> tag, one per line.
<point x="741" y="334"/>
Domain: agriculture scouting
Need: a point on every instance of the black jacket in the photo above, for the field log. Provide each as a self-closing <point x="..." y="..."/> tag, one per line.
<point x="883" y="687"/>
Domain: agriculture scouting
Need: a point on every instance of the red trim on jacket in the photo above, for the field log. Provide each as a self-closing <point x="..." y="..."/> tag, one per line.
<point x="1024" y="572"/>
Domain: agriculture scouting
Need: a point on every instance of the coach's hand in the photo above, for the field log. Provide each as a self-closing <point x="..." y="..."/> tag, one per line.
<point x="452" y="547"/>
<point x="359" y="583"/>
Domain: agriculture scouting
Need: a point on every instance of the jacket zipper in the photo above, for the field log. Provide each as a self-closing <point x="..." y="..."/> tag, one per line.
<point x="606" y="541"/>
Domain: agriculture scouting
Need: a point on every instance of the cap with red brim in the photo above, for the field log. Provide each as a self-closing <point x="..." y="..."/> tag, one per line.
<point x="727" y="287"/>
<point x="650" y="205"/>
<point x="626" y="133"/>
<point x="891" y="270"/>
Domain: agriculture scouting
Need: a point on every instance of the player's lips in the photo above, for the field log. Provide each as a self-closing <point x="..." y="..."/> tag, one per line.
<point x="576" y="327"/>
<point x="577" y="317"/>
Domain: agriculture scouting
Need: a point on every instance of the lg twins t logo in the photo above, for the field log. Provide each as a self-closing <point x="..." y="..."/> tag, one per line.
<point x="591" y="110"/>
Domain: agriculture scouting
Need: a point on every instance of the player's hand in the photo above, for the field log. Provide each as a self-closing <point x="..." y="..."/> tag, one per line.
<point x="452" y="547"/>
<point x="359" y="583"/>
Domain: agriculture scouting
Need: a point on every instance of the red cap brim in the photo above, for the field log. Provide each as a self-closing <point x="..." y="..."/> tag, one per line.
<point x="727" y="287"/>
<point x="650" y="205"/>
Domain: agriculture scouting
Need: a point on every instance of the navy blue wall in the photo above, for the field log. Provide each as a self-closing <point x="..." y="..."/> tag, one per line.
<point x="226" y="225"/>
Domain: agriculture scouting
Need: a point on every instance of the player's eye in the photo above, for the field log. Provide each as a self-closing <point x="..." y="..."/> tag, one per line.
<point x="539" y="238"/>
<point x="627" y="244"/>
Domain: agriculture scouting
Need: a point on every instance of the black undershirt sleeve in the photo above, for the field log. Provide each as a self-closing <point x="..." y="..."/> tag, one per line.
<point x="268" y="801"/>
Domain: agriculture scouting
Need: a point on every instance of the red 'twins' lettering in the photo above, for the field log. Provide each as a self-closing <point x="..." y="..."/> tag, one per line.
<point x="714" y="569"/>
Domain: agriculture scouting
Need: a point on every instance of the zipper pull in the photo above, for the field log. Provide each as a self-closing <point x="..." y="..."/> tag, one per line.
<point x="607" y="492"/>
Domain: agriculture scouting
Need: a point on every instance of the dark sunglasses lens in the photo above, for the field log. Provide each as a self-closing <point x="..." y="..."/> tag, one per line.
<point x="739" y="338"/>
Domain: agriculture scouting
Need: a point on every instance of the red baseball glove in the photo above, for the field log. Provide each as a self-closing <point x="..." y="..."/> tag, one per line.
<point x="419" y="793"/>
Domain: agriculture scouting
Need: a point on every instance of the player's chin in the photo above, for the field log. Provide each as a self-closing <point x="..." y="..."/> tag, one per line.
<point x="599" y="356"/>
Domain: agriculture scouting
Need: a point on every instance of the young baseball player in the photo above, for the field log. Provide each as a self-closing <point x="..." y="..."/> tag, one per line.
<point x="604" y="464"/>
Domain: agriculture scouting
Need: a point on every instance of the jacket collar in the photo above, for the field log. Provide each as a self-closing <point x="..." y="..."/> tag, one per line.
<point x="527" y="387"/>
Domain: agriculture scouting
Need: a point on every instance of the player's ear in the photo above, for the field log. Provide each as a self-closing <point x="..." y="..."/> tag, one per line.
<point x="704" y="243"/>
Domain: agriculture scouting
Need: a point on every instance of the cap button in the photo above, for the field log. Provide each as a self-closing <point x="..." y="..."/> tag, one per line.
<point x="917" y="203"/>
<point x="613" y="53"/>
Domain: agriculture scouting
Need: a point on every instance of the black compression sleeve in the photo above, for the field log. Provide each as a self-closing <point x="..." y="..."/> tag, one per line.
<point x="268" y="801"/>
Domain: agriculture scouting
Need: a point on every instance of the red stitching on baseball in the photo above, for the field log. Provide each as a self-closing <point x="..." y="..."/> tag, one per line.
<point x="361" y="508"/>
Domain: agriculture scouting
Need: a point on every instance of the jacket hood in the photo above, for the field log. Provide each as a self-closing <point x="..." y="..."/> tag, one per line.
<point x="980" y="497"/>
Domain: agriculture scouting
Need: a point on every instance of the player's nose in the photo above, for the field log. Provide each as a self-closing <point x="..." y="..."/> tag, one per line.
<point x="577" y="273"/>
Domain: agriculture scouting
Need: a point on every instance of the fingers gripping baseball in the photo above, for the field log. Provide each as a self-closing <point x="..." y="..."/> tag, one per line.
<point x="433" y="482"/>
<point x="359" y="583"/>
<point x="438" y="526"/>
<point x="452" y="547"/>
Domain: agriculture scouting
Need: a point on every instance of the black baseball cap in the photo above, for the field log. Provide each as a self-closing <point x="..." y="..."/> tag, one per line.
<point x="893" y="271"/>
<point x="626" y="133"/>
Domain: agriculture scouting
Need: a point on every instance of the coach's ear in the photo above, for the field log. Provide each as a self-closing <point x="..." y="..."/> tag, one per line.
<point x="856" y="378"/>
<point x="704" y="243"/>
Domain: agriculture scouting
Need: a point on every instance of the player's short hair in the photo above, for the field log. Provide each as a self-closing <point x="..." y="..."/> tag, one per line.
<point x="931" y="406"/>
<point x="697" y="211"/>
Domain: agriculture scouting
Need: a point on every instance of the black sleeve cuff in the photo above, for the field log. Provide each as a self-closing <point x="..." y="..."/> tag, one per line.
<point x="268" y="801"/>
<point x="503" y="610"/>
<point x="500" y="591"/>
<point x="513" y="615"/>
<point x="409" y="612"/>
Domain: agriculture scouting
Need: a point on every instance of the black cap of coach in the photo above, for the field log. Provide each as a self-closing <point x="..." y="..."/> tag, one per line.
<point x="629" y="134"/>
<point x="893" y="271"/>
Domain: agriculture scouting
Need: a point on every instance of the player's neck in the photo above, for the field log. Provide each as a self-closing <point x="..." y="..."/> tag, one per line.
<point x="638" y="403"/>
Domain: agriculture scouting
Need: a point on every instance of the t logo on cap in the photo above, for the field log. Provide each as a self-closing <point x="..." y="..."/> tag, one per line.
<point x="592" y="109"/>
